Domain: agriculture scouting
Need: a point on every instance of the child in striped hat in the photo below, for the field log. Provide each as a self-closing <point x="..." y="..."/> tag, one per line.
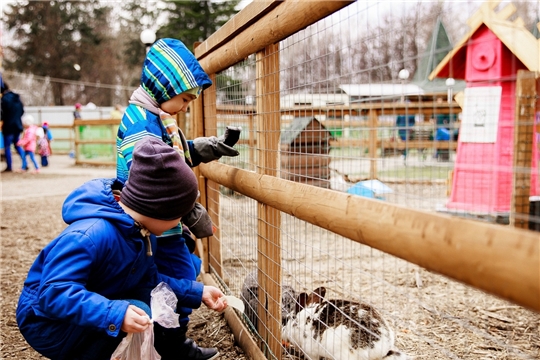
<point x="172" y="78"/>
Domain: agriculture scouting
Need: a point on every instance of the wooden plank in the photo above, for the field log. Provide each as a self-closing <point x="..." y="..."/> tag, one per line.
<point x="305" y="179"/>
<point x="426" y="108"/>
<point x="240" y="332"/>
<point x="269" y="219"/>
<point x="321" y="172"/>
<point x="419" y="144"/>
<point x="247" y="16"/>
<point x="307" y="148"/>
<point x="80" y="122"/>
<point x="323" y="183"/>
<point x="95" y="162"/>
<point x="289" y="160"/>
<point x="95" y="141"/>
<point x="212" y="188"/>
<point x="67" y="127"/>
<point x="476" y="253"/>
<point x="197" y="130"/>
<point x="524" y="119"/>
<point x="252" y="142"/>
<point x="372" y="149"/>
<point x="284" y="20"/>
<point x="347" y="142"/>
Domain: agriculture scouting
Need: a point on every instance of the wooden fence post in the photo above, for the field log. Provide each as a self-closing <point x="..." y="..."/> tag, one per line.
<point x="197" y="130"/>
<point x="212" y="188"/>
<point x="373" y="134"/>
<point x="524" y="132"/>
<point x="269" y="219"/>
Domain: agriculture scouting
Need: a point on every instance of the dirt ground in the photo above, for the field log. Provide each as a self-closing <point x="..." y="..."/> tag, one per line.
<point x="30" y="218"/>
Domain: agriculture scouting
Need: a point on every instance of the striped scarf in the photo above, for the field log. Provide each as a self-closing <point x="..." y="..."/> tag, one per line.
<point x="179" y="142"/>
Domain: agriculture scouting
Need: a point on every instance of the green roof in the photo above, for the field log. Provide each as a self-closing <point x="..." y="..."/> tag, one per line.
<point x="438" y="47"/>
<point x="298" y="125"/>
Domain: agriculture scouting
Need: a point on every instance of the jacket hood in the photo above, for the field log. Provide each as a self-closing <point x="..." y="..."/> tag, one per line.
<point x="11" y="95"/>
<point x="171" y="69"/>
<point x="95" y="199"/>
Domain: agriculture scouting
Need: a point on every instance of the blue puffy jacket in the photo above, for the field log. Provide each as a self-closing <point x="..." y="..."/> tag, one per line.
<point x="79" y="279"/>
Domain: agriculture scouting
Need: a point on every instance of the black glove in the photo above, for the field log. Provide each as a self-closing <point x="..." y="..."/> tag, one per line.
<point x="198" y="221"/>
<point x="213" y="148"/>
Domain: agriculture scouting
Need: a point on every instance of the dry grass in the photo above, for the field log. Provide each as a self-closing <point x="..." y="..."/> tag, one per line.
<point x="434" y="317"/>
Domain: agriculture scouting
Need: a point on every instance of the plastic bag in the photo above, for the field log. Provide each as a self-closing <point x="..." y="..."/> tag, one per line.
<point x="140" y="346"/>
<point x="163" y="303"/>
<point x="137" y="346"/>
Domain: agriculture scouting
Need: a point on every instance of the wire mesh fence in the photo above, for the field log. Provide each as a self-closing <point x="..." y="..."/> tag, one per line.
<point x="353" y="104"/>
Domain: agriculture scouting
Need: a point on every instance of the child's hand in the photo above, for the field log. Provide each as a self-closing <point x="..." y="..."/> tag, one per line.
<point x="213" y="298"/>
<point x="135" y="320"/>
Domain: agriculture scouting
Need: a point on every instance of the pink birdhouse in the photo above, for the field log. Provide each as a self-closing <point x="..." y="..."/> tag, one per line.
<point x="488" y="59"/>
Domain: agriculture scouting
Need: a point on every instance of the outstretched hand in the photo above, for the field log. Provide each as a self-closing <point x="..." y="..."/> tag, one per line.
<point x="213" y="148"/>
<point x="135" y="320"/>
<point x="213" y="298"/>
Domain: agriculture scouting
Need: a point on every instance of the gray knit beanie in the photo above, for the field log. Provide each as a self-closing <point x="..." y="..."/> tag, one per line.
<point x="160" y="184"/>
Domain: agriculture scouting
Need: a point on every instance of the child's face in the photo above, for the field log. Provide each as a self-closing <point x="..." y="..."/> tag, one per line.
<point x="158" y="227"/>
<point x="178" y="103"/>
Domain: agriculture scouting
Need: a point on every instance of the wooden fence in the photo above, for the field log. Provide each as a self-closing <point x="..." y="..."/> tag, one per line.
<point x="93" y="139"/>
<point x="479" y="254"/>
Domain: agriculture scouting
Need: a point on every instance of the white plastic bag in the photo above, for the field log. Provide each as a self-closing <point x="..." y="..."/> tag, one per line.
<point x="163" y="303"/>
<point x="140" y="346"/>
<point x="137" y="346"/>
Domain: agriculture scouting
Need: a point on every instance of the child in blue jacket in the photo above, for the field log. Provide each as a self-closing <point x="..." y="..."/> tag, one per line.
<point x="172" y="78"/>
<point x="90" y="286"/>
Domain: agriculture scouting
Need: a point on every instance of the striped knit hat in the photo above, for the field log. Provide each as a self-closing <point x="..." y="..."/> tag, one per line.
<point x="171" y="69"/>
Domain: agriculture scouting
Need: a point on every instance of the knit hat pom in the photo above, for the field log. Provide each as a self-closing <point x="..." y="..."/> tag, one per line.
<point x="160" y="184"/>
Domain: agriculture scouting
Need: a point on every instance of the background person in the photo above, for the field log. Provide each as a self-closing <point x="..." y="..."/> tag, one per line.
<point x="29" y="142"/>
<point x="12" y="112"/>
<point x="77" y="112"/>
<point x="44" y="138"/>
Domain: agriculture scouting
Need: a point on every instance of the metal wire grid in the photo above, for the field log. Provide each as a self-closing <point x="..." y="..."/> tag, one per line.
<point x="434" y="317"/>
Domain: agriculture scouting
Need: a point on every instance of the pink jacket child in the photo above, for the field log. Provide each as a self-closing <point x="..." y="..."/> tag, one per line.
<point x="28" y="142"/>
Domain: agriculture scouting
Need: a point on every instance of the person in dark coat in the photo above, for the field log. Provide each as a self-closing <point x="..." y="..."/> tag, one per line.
<point x="12" y="127"/>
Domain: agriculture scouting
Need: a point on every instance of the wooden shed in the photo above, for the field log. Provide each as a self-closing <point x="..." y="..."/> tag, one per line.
<point x="305" y="148"/>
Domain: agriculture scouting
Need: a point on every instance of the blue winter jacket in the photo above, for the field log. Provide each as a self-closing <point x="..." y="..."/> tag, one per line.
<point x="81" y="278"/>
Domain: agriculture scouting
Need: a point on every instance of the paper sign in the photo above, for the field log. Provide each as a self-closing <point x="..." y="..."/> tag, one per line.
<point x="480" y="118"/>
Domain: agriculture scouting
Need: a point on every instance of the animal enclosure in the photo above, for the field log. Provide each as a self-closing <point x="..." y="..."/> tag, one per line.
<point x="453" y="282"/>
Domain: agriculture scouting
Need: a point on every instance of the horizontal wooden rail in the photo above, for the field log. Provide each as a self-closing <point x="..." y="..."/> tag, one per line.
<point x="246" y="17"/>
<point x="95" y="162"/>
<point x="385" y="144"/>
<point x="81" y="122"/>
<point x="426" y="108"/>
<point x="419" y="144"/>
<point x="241" y="333"/>
<point x="96" y="141"/>
<point x="60" y="126"/>
<point x="276" y="25"/>
<point x="494" y="258"/>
